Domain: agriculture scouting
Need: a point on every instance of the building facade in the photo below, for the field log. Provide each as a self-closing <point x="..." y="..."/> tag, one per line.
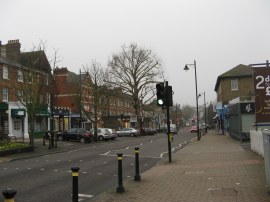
<point x="24" y="88"/>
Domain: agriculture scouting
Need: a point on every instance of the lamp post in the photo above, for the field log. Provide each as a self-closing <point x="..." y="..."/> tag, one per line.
<point x="186" y="69"/>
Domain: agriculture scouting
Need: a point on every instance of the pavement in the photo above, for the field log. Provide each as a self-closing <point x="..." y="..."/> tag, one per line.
<point x="215" y="169"/>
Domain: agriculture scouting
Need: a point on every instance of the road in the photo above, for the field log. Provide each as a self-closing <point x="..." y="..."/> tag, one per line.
<point x="49" y="177"/>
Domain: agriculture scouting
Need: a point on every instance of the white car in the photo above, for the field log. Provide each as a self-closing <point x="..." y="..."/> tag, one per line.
<point x="103" y="134"/>
<point x="127" y="132"/>
<point x="113" y="133"/>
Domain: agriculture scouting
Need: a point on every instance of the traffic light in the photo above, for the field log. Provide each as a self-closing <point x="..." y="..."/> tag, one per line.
<point x="160" y="94"/>
<point x="169" y="98"/>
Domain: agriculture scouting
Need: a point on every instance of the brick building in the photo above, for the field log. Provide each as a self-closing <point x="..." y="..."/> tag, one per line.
<point x="237" y="82"/>
<point x="20" y="82"/>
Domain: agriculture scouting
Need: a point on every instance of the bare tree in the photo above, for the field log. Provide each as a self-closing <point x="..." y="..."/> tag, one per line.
<point x="135" y="70"/>
<point x="92" y="81"/>
<point x="32" y="86"/>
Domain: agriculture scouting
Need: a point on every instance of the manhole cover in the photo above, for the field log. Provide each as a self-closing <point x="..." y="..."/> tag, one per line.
<point x="224" y="192"/>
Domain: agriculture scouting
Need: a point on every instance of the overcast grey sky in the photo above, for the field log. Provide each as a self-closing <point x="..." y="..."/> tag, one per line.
<point x="218" y="34"/>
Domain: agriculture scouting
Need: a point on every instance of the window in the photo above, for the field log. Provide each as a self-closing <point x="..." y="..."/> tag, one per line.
<point x="20" y="76"/>
<point x="20" y="95"/>
<point x="5" y="72"/>
<point x="234" y="84"/>
<point x="5" y="94"/>
<point x="17" y="124"/>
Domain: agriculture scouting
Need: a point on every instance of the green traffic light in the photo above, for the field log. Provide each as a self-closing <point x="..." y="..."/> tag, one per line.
<point x="160" y="102"/>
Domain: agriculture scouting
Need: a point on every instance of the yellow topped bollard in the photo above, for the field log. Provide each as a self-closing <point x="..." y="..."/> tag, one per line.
<point x="75" y="186"/>
<point x="9" y="194"/>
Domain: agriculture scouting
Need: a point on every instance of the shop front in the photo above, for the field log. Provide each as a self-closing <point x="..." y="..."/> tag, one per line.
<point x="17" y="122"/>
<point x="61" y="119"/>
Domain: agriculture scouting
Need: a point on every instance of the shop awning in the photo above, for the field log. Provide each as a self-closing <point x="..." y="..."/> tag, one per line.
<point x="3" y="106"/>
<point x="17" y="112"/>
<point x="42" y="113"/>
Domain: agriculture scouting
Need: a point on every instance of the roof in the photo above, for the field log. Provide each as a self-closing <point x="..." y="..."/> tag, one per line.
<point x="236" y="72"/>
<point x="7" y="61"/>
<point x="35" y="59"/>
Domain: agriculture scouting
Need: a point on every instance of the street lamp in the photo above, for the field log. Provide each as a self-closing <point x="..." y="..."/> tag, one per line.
<point x="186" y="69"/>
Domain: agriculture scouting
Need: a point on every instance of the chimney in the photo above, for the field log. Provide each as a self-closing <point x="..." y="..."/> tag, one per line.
<point x="13" y="50"/>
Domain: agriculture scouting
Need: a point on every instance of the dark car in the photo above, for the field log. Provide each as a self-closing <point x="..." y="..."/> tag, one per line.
<point x="77" y="134"/>
<point x="148" y="131"/>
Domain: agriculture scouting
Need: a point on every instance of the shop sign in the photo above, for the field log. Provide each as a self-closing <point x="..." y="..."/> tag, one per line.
<point x="262" y="93"/>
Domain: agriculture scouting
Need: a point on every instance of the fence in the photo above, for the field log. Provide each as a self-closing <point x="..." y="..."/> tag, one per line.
<point x="256" y="141"/>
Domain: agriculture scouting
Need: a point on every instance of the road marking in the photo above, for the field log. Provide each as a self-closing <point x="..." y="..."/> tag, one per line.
<point x="107" y="153"/>
<point x="85" y="195"/>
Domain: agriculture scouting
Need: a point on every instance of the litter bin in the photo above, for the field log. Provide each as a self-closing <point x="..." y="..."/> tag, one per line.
<point x="266" y="148"/>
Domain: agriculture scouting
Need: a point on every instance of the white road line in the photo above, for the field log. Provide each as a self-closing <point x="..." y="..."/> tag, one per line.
<point x="85" y="195"/>
<point x="106" y="153"/>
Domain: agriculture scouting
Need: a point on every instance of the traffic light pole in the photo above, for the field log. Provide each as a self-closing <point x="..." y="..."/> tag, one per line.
<point x="168" y="127"/>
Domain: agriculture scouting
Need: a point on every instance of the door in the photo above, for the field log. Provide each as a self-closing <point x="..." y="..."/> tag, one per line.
<point x="17" y="127"/>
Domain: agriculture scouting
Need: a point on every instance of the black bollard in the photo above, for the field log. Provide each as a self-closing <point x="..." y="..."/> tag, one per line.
<point x="120" y="188"/>
<point x="49" y="143"/>
<point x="56" y="138"/>
<point x="43" y="140"/>
<point x="137" y="176"/>
<point x="75" y="185"/>
<point x="9" y="194"/>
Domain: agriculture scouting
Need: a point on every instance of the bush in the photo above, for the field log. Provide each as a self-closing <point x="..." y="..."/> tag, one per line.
<point x="5" y="145"/>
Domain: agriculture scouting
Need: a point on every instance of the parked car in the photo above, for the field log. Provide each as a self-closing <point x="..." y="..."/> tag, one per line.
<point x="127" y="132"/>
<point x="113" y="133"/>
<point x="194" y="129"/>
<point x="173" y="130"/>
<point x="162" y="129"/>
<point x="78" y="134"/>
<point x="148" y="131"/>
<point x="103" y="134"/>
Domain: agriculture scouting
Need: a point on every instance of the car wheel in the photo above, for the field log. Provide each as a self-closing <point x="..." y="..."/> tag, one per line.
<point x="100" y="138"/>
<point x="118" y="135"/>
<point x="82" y="140"/>
<point x="132" y="134"/>
<point x="60" y="138"/>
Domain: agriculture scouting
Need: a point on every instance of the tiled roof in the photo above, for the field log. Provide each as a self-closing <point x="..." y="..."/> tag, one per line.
<point x="7" y="61"/>
<point x="35" y="59"/>
<point x="236" y="72"/>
